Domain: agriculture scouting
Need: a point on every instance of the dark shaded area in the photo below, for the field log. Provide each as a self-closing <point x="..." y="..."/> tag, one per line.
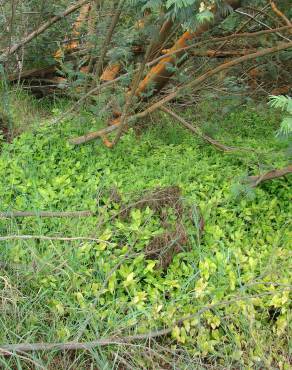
<point x="4" y="128"/>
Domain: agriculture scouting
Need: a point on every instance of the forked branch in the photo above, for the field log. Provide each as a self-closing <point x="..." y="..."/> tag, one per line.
<point x="45" y="214"/>
<point x="71" y="9"/>
<point x="191" y="85"/>
<point x="75" y="345"/>
<point x="274" y="174"/>
<point x="212" y="72"/>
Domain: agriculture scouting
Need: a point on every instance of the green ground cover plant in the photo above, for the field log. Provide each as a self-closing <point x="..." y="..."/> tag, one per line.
<point x="56" y="291"/>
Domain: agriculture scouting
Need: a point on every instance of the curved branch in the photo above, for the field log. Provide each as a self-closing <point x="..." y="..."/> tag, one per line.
<point x="75" y="345"/>
<point x="277" y="11"/>
<point x="274" y="174"/>
<point x="49" y="238"/>
<point x="14" y="214"/>
<point x="198" y="81"/>
<point x="41" y="29"/>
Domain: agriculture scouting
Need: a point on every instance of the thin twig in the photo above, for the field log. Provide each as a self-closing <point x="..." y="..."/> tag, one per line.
<point x="95" y="90"/>
<point x="13" y="214"/>
<point x="41" y="29"/>
<point x="261" y="23"/>
<point x="280" y="14"/>
<point x="198" y="132"/>
<point x="108" y="38"/>
<point x="69" y="346"/>
<point x="274" y="174"/>
<point x="49" y="238"/>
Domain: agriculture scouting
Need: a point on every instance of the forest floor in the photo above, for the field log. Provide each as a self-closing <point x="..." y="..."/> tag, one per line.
<point x="210" y="250"/>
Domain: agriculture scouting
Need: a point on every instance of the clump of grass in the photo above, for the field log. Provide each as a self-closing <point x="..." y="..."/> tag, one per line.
<point x="21" y="110"/>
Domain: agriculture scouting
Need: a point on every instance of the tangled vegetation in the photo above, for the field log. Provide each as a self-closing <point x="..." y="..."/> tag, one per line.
<point x="145" y="191"/>
<point x="56" y="291"/>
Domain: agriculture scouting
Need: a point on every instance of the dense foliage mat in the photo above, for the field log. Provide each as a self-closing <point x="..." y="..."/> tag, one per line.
<point x="61" y="291"/>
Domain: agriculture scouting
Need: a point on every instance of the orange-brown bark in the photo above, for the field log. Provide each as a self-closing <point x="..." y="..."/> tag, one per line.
<point x="11" y="50"/>
<point x="283" y="90"/>
<point x="83" y="15"/>
<point x="280" y="14"/>
<point x="159" y="75"/>
<point x="72" y="45"/>
<point x="111" y="72"/>
<point x="274" y="174"/>
<point x="163" y="35"/>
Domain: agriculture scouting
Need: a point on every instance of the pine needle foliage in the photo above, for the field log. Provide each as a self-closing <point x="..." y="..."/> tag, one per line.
<point x="285" y="104"/>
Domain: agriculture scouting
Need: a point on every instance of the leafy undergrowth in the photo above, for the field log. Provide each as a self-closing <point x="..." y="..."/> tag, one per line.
<point x="53" y="291"/>
<point x="19" y="112"/>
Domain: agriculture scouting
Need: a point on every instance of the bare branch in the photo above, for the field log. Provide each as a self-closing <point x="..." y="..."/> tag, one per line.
<point x="93" y="135"/>
<point x="280" y="14"/>
<point x="99" y="88"/>
<point x="212" y="72"/>
<point x="219" y="39"/>
<point x="42" y="214"/>
<point x="274" y="174"/>
<point x="48" y="238"/>
<point x="134" y="89"/>
<point x="11" y="50"/>
<point x="107" y="41"/>
<point x="70" y="346"/>
<point x="198" y="81"/>
<point x="198" y="132"/>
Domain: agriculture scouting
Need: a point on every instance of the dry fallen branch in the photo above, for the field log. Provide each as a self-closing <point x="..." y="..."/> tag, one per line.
<point x="99" y="88"/>
<point x="93" y="135"/>
<point x="134" y="89"/>
<point x="198" y="81"/>
<point x="42" y="214"/>
<point x="198" y="132"/>
<point x="48" y="238"/>
<point x="99" y="67"/>
<point x="35" y="72"/>
<point x="274" y="174"/>
<point x="191" y="85"/>
<point x="71" y="346"/>
<point x="220" y="39"/>
<point x="11" y="50"/>
<point x="160" y="74"/>
<point x="221" y="53"/>
<point x="280" y="14"/>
